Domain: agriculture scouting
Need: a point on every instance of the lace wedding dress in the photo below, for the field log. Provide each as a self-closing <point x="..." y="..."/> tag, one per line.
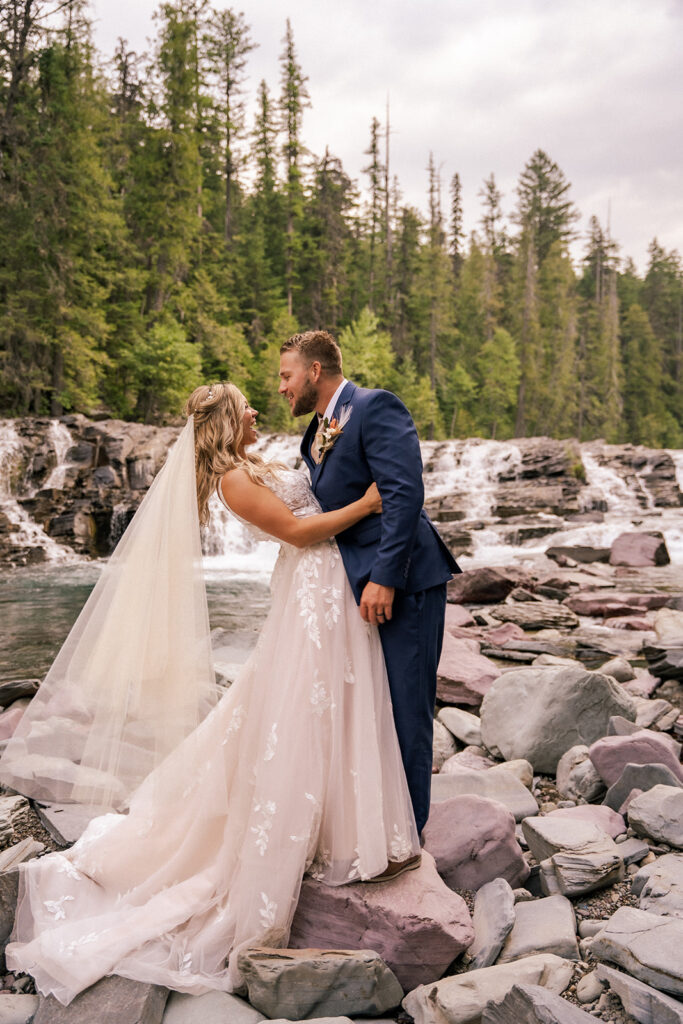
<point x="300" y="771"/>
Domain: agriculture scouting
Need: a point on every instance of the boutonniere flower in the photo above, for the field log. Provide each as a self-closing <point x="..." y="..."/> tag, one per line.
<point x="329" y="431"/>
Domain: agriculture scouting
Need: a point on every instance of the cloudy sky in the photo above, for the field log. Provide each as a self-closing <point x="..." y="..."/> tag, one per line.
<point x="597" y="84"/>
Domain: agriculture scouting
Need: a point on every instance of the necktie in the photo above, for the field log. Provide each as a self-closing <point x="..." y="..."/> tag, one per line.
<point x="316" y="442"/>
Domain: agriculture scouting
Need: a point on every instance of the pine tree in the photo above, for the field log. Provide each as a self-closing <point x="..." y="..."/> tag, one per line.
<point x="294" y="98"/>
<point x="543" y="205"/>
<point x="499" y="370"/>
<point x="375" y="173"/>
<point x="456" y="234"/>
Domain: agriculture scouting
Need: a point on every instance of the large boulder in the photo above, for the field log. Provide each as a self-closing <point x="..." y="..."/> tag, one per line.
<point x="611" y="754"/>
<point x="644" y="1003"/>
<point x="482" y="586"/>
<point x="646" y="945"/>
<point x="542" y="926"/>
<point x="472" y="840"/>
<point x="540" y="713"/>
<point x="415" y="923"/>
<point x="464" y="675"/>
<point x="641" y="778"/>
<point x="658" y="814"/>
<point x="639" y="549"/>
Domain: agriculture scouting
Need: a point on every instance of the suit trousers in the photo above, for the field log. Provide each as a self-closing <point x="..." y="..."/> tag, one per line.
<point x="412" y="641"/>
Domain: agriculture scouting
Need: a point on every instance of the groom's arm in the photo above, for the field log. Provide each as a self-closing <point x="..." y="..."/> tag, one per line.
<point x="392" y="450"/>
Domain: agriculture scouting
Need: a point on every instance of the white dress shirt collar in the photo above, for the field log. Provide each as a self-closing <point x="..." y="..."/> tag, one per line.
<point x="333" y="401"/>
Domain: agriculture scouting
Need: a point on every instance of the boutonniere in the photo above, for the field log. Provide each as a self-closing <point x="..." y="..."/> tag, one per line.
<point x="329" y="431"/>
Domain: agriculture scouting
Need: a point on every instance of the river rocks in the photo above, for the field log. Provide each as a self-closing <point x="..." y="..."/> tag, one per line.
<point x="536" y="615"/>
<point x="495" y="783"/>
<point x="14" y="689"/>
<point x="577" y="553"/>
<point x="472" y="840"/>
<point x="113" y="1000"/>
<point x="644" y="1003"/>
<point x="611" y="754"/>
<point x="482" y="586"/>
<point x="493" y="918"/>
<point x="11" y="809"/>
<point x="640" y="777"/>
<point x="648" y="946"/>
<point x="443" y="746"/>
<point x="580" y="855"/>
<point x="662" y="892"/>
<point x="666" y="663"/>
<point x="639" y="549"/>
<point x="576" y="778"/>
<point x="669" y="627"/>
<point x="462" y="999"/>
<point x="658" y="814"/>
<point x="603" y="817"/>
<point x="607" y="602"/>
<point x="532" y="1004"/>
<point x="539" y="714"/>
<point x="457" y="617"/>
<point x="542" y="926"/>
<point x="300" y="983"/>
<point x="464" y="675"/>
<point x="463" y="725"/>
<point x="414" y="922"/>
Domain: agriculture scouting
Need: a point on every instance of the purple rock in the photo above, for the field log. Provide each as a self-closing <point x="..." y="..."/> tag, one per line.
<point x="414" y="922"/>
<point x="604" y="817"/>
<point x="464" y="675"/>
<point x="457" y="617"/>
<point x="472" y="840"/>
<point x="611" y="754"/>
<point x="639" y="549"/>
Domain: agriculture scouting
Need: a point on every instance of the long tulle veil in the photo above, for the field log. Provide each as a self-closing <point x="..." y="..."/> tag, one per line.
<point x="135" y="675"/>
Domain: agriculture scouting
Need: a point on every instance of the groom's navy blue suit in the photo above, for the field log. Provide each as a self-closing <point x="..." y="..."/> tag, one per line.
<point x="399" y="548"/>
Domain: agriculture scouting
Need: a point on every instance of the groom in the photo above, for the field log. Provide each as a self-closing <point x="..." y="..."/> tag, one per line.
<point x="396" y="562"/>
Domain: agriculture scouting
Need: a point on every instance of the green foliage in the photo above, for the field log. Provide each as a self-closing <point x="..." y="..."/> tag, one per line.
<point x="164" y="368"/>
<point x="498" y="366"/>
<point x="366" y="351"/>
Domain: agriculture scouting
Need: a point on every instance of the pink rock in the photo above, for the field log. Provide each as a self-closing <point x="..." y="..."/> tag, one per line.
<point x="473" y="841"/>
<point x="507" y="631"/>
<point x="11" y="716"/>
<point x="611" y="754"/>
<point x="483" y="586"/>
<point x="466" y="759"/>
<point x="415" y="923"/>
<point x="457" y="617"/>
<point x="632" y="622"/>
<point x="598" y="814"/>
<point x="613" y="602"/>
<point x="632" y="795"/>
<point x="464" y="675"/>
<point x="643" y="685"/>
<point x="639" y="549"/>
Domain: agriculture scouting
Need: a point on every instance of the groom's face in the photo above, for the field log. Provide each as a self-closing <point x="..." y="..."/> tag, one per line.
<point x="298" y="383"/>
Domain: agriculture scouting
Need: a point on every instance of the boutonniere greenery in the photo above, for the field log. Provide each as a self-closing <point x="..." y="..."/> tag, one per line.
<point x="329" y="431"/>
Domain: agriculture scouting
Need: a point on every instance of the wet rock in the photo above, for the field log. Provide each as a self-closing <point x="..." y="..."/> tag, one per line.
<point x="211" y="1008"/>
<point x="641" y="777"/>
<point x="537" y="615"/>
<point x="648" y="946"/>
<point x="15" y="689"/>
<point x="611" y="754"/>
<point x="639" y="549"/>
<point x="641" y="1001"/>
<point x="539" y="714"/>
<point x="482" y="586"/>
<point x="301" y="983"/>
<point x="443" y="746"/>
<point x="494" y="784"/>
<point x="113" y="1000"/>
<point x="607" y="602"/>
<point x="415" y="923"/>
<point x="531" y="1004"/>
<point x="662" y="892"/>
<point x="463" y="998"/>
<point x="472" y="840"/>
<point x="576" y="778"/>
<point x="578" y="553"/>
<point x="542" y="926"/>
<point x="658" y="814"/>
<point x="464" y="675"/>
<point x="463" y="725"/>
<point x="493" y="918"/>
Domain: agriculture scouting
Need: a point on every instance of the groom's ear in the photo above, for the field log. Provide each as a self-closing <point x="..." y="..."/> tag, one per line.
<point x="315" y="369"/>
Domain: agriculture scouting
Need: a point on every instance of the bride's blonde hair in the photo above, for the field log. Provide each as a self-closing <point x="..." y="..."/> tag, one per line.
<point x="218" y="411"/>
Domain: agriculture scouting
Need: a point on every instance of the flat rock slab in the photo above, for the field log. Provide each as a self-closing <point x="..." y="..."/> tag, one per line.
<point x="462" y="724"/>
<point x="611" y="754"/>
<point x="415" y="923"/>
<point x="536" y="615"/>
<point x="662" y="892"/>
<point x="639" y="549"/>
<point x="493" y="919"/>
<point x="607" y="602"/>
<point x="658" y="814"/>
<point x="66" y="823"/>
<point x="540" y="713"/>
<point x="482" y="586"/>
<point x="542" y="926"/>
<point x="646" y="945"/>
<point x="17" y="1009"/>
<point x="645" y="1004"/>
<point x="582" y="856"/>
<point x="305" y="983"/>
<point x="464" y="675"/>
<point x="211" y="1008"/>
<point x="532" y="1004"/>
<point x="642" y="777"/>
<point x="112" y="1000"/>
<point x="463" y="998"/>
<point x="605" y="818"/>
<point x="17" y="854"/>
<point x="493" y="784"/>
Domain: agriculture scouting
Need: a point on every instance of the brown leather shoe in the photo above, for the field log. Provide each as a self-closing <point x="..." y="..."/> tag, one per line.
<point x="396" y="867"/>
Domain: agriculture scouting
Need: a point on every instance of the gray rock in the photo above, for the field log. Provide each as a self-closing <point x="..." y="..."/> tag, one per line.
<point x="576" y="778"/>
<point x="640" y="878"/>
<point x="589" y="988"/>
<point x="665" y="662"/>
<point x="633" y="850"/>
<point x="531" y="1004"/>
<point x="66" y="823"/>
<point x="619" y="668"/>
<point x="11" y="809"/>
<point x="590" y="926"/>
<point x="611" y="754"/>
<point x="462" y="724"/>
<point x="17" y="1009"/>
<point x="645" y="1004"/>
<point x="112" y="1000"/>
<point x="493" y="918"/>
<point x="657" y="712"/>
<point x="539" y="714"/>
<point x="669" y="627"/>
<point x="537" y="615"/>
<point x="443" y="745"/>
<point x="618" y="726"/>
<point x="305" y="983"/>
<point x="322" y="1020"/>
<point x="648" y="946"/>
<point x="642" y="777"/>
<point x="17" y="854"/>
<point x="542" y="926"/>
<point x="662" y="892"/>
<point x="495" y="785"/>
<point x="9" y="891"/>
<point x="210" y="1008"/>
<point x="584" y="858"/>
<point x="14" y="689"/>
<point x="658" y="814"/>
<point x="461" y="999"/>
<point x="551" y="834"/>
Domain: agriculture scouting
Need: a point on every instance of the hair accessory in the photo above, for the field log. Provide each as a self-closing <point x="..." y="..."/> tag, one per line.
<point x="210" y="394"/>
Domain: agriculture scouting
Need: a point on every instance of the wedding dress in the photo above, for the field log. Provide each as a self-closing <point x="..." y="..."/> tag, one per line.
<point x="300" y="772"/>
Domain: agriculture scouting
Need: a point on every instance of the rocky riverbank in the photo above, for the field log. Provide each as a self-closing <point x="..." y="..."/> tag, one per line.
<point x="552" y="873"/>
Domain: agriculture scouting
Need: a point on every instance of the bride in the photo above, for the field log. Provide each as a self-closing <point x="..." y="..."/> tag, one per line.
<point x="296" y="769"/>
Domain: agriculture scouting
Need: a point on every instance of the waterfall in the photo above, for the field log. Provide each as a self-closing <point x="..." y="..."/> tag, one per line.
<point x="607" y="489"/>
<point x="471" y="468"/>
<point x="60" y="441"/>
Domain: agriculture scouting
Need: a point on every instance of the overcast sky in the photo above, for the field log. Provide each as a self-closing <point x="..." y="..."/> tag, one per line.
<point x="597" y="84"/>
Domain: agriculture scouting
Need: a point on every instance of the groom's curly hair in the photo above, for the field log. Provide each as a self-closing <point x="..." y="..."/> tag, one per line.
<point x="316" y="346"/>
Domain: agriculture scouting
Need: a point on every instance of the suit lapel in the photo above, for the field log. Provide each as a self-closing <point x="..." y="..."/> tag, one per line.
<point x="306" y="442"/>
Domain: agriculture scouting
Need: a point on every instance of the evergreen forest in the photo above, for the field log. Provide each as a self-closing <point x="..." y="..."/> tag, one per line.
<point x="163" y="224"/>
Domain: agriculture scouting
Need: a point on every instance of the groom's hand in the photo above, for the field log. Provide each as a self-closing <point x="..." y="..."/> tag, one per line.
<point x="375" y="603"/>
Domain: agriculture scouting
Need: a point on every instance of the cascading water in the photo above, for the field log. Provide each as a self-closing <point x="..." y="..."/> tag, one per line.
<point x="60" y="440"/>
<point x="472" y="468"/>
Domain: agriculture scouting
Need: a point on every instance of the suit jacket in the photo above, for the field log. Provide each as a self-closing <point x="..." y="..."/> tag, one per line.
<point x="399" y="548"/>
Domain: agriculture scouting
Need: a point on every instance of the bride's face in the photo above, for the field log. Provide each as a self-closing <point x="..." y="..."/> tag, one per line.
<point x="249" y="424"/>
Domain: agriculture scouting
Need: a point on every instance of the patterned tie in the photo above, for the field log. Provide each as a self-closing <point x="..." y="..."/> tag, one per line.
<point x="316" y="442"/>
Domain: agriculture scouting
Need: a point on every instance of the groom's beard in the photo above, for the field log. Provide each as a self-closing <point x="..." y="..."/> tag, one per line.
<point x="307" y="400"/>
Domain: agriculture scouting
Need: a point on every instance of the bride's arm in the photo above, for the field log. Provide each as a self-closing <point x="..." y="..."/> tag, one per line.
<point x="259" y="506"/>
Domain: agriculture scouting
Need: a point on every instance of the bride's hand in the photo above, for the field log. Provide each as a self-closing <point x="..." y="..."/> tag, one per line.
<point x="373" y="499"/>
